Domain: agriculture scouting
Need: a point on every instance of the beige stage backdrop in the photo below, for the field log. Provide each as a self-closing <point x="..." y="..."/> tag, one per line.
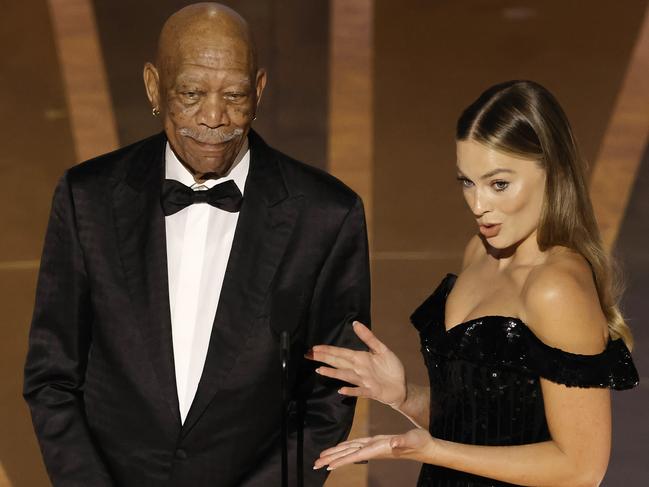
<point x="367" y="89"/>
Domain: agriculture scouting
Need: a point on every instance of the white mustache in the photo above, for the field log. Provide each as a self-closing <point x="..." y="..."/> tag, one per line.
<point x="210" y="136"/>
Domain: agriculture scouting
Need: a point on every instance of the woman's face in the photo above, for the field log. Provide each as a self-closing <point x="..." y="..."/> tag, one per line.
<point x="505" y="193"/>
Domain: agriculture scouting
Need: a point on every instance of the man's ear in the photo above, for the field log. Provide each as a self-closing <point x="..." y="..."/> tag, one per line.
<point x="260" y="84"/>
<point x="152" y="84"/>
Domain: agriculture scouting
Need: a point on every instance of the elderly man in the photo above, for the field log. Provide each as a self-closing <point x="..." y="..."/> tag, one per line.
<point x="152" y="360"/>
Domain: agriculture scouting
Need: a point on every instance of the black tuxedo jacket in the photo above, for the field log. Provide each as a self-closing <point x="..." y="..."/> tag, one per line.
<point x="99" y="376"/>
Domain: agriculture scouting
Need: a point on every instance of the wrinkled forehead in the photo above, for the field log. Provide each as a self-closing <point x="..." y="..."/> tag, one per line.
<point x="215" y="51"/>
<point x="221" y="54"/>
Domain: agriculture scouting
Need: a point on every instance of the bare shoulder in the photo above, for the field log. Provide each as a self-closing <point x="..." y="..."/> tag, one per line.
<point x="561" y="304"/>
<point x="473" y="251"/>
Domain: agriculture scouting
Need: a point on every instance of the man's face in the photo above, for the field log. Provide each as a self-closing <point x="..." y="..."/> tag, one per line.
<point x="207" y="94"/>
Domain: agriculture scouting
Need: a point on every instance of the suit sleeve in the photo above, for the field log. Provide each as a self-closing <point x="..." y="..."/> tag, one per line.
<point x="342" y="295"/>
<point x="59" y="343"/>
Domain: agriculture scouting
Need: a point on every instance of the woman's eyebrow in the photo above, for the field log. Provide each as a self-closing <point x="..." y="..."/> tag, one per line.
<point x="496" y="171"/>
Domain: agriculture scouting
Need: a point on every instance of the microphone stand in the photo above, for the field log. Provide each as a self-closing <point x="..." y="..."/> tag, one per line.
<point x="284" y="354"/>
<point x="300" y="443"/>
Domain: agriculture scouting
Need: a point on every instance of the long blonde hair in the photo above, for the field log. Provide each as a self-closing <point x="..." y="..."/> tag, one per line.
<point x="523" y="118"/>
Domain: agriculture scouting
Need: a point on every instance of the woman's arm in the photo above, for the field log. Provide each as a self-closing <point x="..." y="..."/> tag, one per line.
<point x="577" y="455"/>
<point x="416" y="406"/>
<point x="377" y="374"/>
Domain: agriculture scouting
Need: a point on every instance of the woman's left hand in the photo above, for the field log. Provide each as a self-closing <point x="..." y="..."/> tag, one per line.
<point x="416" y="444"/>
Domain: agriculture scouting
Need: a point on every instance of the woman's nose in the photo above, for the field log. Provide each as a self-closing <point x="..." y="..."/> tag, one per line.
<point x="480" y="204"/>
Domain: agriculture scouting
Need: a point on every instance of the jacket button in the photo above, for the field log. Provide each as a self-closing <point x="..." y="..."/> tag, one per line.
<point x="181" y="454"/>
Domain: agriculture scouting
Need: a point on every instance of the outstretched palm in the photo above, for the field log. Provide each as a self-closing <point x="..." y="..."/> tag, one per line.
<point x="416" y="444"/>
<point x="377" y="374"/>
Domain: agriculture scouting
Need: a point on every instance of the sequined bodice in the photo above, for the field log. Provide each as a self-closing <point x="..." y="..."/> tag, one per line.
<point x="485" y="381"/>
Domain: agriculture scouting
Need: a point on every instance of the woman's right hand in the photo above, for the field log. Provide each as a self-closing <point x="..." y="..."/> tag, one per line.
<point x="377" y="374"/>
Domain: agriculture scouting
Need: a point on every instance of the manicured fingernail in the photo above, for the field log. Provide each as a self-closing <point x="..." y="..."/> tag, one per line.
<point x="331" y="468"/>
<point x="317" y="371"/>
<point x="315" y="467"/>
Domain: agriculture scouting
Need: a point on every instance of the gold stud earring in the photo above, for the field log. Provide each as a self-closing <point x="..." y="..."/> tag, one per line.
<point x="155" y="111"/>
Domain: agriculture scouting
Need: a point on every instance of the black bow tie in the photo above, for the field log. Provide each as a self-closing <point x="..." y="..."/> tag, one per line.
<point x="176" y="196"/>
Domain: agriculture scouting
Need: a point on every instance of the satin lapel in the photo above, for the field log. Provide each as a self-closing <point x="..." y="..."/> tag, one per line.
<point x="265" y="224"/>
<point x="142" y="243"/>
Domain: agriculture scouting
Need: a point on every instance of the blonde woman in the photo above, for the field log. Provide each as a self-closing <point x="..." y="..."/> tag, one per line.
<point x="523" y="346"/>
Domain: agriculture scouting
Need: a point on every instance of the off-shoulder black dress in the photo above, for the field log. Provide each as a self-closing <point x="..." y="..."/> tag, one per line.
<point x="484" y="381"/>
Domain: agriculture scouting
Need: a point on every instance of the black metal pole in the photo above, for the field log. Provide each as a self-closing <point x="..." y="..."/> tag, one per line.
<point x="284" y="353"/>
<point x="299" y="453"/>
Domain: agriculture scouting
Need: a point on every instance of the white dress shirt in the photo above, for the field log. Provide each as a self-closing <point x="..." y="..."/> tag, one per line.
<point x="199" y="240"/>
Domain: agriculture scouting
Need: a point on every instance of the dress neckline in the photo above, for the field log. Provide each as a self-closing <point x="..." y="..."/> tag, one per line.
<point x="463" y="324"/>
<point x="508" y="342"/>
<point x="461" y="328"/>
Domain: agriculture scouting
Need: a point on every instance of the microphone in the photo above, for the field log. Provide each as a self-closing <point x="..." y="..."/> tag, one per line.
<point x="285" y="315"/>
<point x="284" y="320"/>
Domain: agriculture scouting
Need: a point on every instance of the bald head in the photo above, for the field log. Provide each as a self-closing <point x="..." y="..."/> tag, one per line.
<point x="206" y="86"/>
<point x="204" y="25"/>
